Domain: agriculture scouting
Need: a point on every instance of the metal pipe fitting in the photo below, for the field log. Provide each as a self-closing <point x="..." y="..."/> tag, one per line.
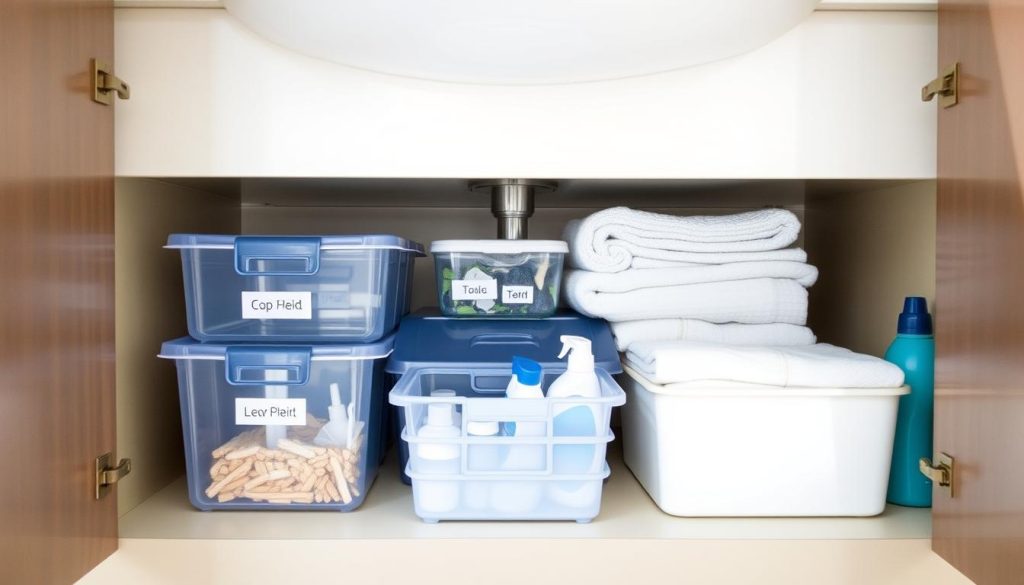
<point x="512" y="203"/>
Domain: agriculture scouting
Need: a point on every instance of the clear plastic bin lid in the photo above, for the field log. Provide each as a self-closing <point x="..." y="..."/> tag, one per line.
<point x="186" y="348"/>
<point x="426" y="339"/>
<point x="499" y="247"/>
<point x="320" y="242"/>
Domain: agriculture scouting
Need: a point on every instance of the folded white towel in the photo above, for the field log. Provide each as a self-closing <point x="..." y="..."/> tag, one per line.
<point x="609" y="240"/>
<point x="701" y="259"/>
<point x="755" y="300"/>
<point x="818" y="366"/>
<point x="584" y="281"/>
<point x="770" y="334"/>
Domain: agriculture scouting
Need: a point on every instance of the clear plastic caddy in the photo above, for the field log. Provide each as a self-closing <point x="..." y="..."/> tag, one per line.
<point x="465" y="476"/>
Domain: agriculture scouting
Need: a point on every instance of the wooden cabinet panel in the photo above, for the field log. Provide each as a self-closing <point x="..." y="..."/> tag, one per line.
<point x="57" y="290"/>
<point x="979" y="402"/>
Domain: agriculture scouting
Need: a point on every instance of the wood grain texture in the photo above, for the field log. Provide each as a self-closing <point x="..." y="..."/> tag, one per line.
<point x="57" y="293"/>
<point x="980" y="323"/>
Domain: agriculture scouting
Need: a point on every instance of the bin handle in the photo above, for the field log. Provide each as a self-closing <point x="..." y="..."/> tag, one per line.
<point x="243" y="366"/>
<point x="504" y="339"/>
<point x="256" y="255"/>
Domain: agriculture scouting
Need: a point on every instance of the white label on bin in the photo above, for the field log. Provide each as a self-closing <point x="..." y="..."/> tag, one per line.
<point x="277" y="305"/>
<point x="475" y="290"/>
<point x="517" y="295"/>
<point x="270" y="411"/>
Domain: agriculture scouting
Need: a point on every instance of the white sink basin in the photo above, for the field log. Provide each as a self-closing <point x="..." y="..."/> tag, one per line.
<point x="520" y="41"/>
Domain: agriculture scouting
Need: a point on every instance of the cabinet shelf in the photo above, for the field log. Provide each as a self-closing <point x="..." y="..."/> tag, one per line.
<point x="627" y="512"/>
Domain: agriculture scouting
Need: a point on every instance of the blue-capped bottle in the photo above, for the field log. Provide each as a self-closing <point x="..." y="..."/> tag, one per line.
<point x="913" y="351"/>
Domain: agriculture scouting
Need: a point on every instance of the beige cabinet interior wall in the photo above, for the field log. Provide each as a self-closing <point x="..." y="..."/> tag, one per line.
<point x="150" y="310"/>
<point x="873" y="248"/>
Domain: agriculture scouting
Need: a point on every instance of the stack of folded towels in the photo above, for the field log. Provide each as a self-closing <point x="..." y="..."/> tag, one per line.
<point x="709" y="298"/>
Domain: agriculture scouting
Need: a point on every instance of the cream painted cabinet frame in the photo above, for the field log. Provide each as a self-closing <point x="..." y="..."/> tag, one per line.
<point x="826" y="120"/>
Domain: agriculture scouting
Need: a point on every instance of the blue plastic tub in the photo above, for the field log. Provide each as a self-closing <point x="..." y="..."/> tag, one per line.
<point x="253" y="420"/>
<point x="349" y="289"/>
<point x="428" y="340"/>
<point x="536" y="477"/>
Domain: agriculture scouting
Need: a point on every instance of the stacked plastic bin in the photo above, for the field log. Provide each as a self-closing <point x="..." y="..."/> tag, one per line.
<point x="460" y="450"/>
<point x="282" y="381"/>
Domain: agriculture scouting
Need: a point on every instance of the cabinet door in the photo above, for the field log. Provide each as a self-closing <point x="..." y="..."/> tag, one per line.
<point x="979" y="403"/>
<point x="56" y="290"/>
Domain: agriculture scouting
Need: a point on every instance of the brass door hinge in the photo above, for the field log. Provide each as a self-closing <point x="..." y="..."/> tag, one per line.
<point x="105" y="84"/>
<point x="107" y="476"/>
<point x="943" y="474"/>
<point x="946" y="86"/>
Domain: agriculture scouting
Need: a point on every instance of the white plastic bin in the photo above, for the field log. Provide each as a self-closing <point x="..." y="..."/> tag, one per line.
<point x="498" y="278"/>
<point x="744" y="450"/>
<point x="492" y="476"/>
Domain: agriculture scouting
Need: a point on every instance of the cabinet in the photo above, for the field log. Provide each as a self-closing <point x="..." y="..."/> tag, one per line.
<point x="225" y="132"/>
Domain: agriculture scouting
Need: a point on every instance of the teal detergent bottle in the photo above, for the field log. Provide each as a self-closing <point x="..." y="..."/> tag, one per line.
<point x="913" y="351"/>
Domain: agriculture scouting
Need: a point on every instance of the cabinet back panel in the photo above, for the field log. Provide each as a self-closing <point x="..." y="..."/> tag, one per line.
<point x="872" y="241"/>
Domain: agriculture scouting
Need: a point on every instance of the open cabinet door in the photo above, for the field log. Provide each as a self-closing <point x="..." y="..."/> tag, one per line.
<point x="979" y="403"/>
<point x="56" y="290"/>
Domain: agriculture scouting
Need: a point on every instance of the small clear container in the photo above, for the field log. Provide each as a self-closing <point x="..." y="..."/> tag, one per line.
<point x="515" y="279"/>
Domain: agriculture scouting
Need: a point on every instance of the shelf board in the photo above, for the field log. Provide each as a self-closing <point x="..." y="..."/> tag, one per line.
<point x="627" y="512"/>
<point x="825" y="4"/>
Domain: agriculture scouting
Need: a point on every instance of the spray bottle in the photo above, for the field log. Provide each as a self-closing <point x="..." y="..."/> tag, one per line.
<point x="576" y="420"/>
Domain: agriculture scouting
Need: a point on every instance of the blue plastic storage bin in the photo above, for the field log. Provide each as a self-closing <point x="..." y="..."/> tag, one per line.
<point x="295" y="289"/>
<point x="539" y="477"/>
<point x="253" y="420"/>
<point x="428" y="340"/>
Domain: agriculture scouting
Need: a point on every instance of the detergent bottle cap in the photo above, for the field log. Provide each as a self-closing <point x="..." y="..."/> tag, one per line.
<point x="440" y="414"/>
<point x="915" y="319"/>
<point x="526" y="371"/>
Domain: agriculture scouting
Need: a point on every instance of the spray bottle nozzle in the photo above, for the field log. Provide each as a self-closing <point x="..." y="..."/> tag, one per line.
<point x="581" y="358"/>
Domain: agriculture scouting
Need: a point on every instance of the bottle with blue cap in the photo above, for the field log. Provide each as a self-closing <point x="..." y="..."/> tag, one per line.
<point x="525" y="384"/>
<point x="913" y="351"/>
<point x="520" y="497"/>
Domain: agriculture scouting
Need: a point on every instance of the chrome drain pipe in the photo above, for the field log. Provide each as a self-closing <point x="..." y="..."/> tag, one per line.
<point x="512" y="203"/>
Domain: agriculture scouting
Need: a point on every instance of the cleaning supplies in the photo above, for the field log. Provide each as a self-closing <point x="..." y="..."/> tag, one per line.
<point x="518" y="496"/>
<point x="913" y="351"/>
<point x="481" y="458"/>
<point x="449" y="393"/>
<point x="439" y="458"/>
<point x="335" y="432"/>
<point x="525" y="384"/>
<point x="579" y="380"/>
